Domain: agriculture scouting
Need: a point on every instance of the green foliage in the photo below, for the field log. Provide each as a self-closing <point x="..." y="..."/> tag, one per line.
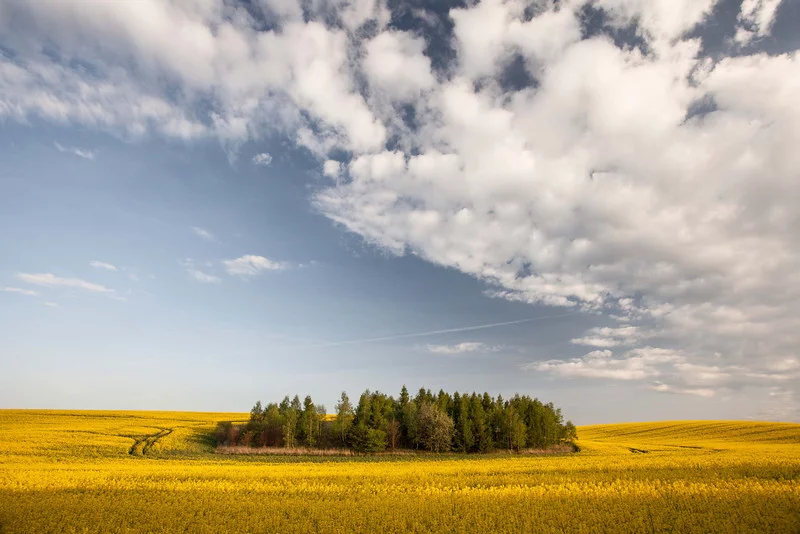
<point x="344" y="419"/>
<point x="466" y="423"/>
<point x="435" y="428"/>
<point x="365" y="439"/>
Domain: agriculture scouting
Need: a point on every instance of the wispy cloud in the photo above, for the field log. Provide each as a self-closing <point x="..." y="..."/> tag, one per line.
<point x="198" y="275"/>
<point x="103" y="265"/>
<point x="51" y="304"/>
<point x="262" y="159"/>
<point x="605" y="338"/>
<point x="251" y="265"/>
<point x="19" y="290"/>
<point x="433" y="332"/>
<point x="203" y="233"/>
<point x="461" y="348"/>
<point x="51" y="280"/>
<point x="80" y="152"/>
<point x="666" y="388"/>
<point x="202" y="277"/>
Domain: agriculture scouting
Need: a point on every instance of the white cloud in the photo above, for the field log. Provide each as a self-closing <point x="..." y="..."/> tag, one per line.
<point x="755" y="19"/>
<point x="461" y="348"/>
<point x="700" y="392"/>
<point x="51" y="304"/>
<point x="610" y="337"/>
<point x="204" y="234"/>
<point x="202" y="277"/>
<point x="395" y="64"/>
<point x="332" y="168"/>
<point x="19" y="290"/>
<point x="262" y="159"/>
<point x="50" y="280"/>
<point x="85" y="154"/>
<point x="637" y="364"/>
<point x="251" y="265"/>
<point x="102" y="265"/>
<point x="197" y="273"/>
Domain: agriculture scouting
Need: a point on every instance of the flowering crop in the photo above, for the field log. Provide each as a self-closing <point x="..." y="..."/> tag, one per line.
<point x="84" y="472"/>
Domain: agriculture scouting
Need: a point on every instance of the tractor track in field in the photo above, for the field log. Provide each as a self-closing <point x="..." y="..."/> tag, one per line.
<point x="142" y="444"/>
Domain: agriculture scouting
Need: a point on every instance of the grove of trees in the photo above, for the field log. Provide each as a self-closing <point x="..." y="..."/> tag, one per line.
<point x="469" y="423"/>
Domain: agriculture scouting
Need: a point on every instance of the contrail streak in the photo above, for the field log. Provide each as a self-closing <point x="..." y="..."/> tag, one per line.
<point x="424" y="334"/>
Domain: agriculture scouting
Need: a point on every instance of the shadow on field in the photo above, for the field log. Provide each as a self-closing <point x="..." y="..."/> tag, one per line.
<point x="203" y="438"/>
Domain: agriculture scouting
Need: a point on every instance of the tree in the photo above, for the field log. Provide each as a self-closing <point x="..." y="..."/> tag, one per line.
<point x="365" y="439"/>
<point x="256" y="413"/>
<point x="482" y="436"/>
<point x="464" y="439"/>
<point x="221" y="432"/>
<point x="515" y="430"/>
<point x="400" y="409"/>
<point x="410" y="421"/>
<point x="344" y="418"/>
<point x="233" y="435"/>
<point x="308" y="422"/>
<point x="435" y="428"/>
<point x="247" y="438"/>
<point x="376" y="440"/>
<point x="289" y="428"/>
<point x="393" y="434"/>
<point x="322" y="413"/>
<point x="271" y="431"/>
<point x="437" y="422"/>
<point x="570" y="432"/>
<point x="296" y="403"/>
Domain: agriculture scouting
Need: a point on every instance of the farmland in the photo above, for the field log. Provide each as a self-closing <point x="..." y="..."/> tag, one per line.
<point x="156" y="471"/>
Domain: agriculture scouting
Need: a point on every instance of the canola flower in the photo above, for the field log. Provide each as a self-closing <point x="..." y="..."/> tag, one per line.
<point x="82" y="472"/>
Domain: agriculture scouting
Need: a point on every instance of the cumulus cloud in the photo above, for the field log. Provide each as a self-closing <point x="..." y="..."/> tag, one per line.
<point x="262" y="159"/>
<point x="641" y="180"/>
<point x="102" y="265"/>
<point x="19" y="290"/>
<point x="81" y="153"/>
<point x="461" y="348"/>
<point x="395" y="65"/>
<point x="332" y="168"/>
<point x="50" y="280"/>
<point x="251" y="265"/>
<point x="755" y="19"/>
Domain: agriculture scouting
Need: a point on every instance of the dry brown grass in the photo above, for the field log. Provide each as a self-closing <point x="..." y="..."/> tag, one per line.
<point x="283" y="451"/>
<point x="303" y="451"/>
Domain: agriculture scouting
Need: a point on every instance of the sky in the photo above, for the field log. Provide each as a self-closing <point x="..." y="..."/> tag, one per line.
<point x="204" y="203"/>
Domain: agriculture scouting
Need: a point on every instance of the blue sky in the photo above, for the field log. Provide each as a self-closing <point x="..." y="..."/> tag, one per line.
<point x="203" y="204"/>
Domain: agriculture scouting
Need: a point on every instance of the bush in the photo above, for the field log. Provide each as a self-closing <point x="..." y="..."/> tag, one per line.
<point x="364" y="439"/>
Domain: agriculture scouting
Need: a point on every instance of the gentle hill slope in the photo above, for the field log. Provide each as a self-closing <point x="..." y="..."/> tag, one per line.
<point x="665" y="435"/>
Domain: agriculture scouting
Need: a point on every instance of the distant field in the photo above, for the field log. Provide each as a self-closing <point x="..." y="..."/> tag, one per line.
<point x="156" y="472"/>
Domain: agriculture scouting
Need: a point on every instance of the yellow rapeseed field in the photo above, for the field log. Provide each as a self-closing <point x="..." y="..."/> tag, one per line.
<point x="156" y="472"/>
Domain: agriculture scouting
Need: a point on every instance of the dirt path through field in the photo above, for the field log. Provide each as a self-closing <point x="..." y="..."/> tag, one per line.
<point x="142" y="444"/>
